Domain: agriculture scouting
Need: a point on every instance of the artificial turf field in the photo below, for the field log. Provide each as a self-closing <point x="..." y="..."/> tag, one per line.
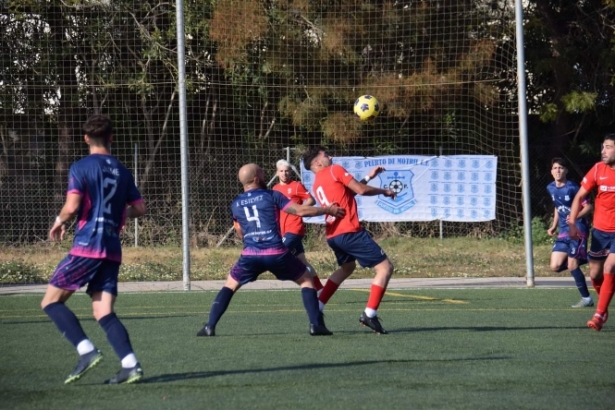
<point x="449" y="349"/>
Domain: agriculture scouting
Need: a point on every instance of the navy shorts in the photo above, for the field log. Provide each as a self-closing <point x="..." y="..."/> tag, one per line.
<point x="73" y="272"/>
<point x="284" y="266"/>
<point x="294" y="243"/>
<point x="603" y="243"/>
<point x="357" y="246"/>
<point x="576" y="249"/>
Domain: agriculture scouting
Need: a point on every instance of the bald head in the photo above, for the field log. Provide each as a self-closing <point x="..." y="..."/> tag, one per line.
<point x="251" y="176"/>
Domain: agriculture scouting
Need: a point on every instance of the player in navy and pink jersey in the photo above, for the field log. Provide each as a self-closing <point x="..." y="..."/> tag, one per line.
<point x="602" y="250"/>
<point x="292" y="226"/>
<point x="256" y="219"/>
<point x="349" y="241"/>
<point x="101" y="194"/>
<point x="568" y="253"/>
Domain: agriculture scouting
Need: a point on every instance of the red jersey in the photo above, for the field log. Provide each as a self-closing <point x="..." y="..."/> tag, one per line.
<point x="602" y="177"/>
<point x="296" y="192"/>
<point x="331" y="186"/>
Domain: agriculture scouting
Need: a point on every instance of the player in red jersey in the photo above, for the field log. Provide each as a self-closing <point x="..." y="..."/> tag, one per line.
<point x="292" y="226"/>
<point x="602" y="251"/>
<point x="350" y="242"/>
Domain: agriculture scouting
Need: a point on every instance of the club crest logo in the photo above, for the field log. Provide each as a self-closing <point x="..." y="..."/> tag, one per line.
<point x="401" y="183"/>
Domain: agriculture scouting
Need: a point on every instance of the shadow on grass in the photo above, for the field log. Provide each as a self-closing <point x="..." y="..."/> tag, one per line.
<point x="171" y="377"/>
<point x="91" y="319"/>
<point x="482" y="328"/>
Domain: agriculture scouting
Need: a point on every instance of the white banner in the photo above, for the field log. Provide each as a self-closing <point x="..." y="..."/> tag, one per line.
<point x="459" y="188"/>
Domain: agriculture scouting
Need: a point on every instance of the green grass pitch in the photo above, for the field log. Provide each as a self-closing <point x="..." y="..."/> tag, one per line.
<point x="448" y="349"/>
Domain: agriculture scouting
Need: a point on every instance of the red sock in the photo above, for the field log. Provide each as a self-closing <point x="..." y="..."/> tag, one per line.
<point x="317" y="282"/>
<point x="606" y="293"/>
<point x="327" y="291"/>
<point x="597" y="283"/>
<point x="375" y="296"/>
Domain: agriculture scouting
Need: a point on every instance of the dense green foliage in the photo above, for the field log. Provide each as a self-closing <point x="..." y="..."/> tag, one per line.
<point x="264" y="75"/>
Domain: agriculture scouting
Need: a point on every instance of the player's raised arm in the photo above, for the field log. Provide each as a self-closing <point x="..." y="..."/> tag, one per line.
<point x="574" y="212"/>
<point x="373" y="173"/>
<point x="367" y="190"/>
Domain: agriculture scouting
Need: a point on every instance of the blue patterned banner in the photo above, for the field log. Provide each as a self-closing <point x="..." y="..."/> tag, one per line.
<point x="458" y="188"/>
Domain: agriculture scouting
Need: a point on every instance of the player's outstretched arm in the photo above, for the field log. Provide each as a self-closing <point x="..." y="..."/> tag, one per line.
<point x="373" y="173"/>
<point x="306" y="210"/>
<point x="367" y="190"/>
<point x="574" y="212"/>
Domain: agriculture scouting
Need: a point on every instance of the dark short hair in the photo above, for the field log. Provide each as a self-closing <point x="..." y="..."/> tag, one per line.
<point x="560" y="161"/>
<point x="310" y="154"/>
<point x="99" y="128"/>
<point x="610" y="136"/>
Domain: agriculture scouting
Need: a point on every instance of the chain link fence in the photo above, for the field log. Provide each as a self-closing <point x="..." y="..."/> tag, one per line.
<point x="264" y="80"/>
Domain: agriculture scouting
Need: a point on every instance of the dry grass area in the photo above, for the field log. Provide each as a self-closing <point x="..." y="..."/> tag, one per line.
<point x="416" y="258"/>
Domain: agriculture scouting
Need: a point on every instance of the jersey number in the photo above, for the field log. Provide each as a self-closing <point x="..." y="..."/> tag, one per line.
<point x="252" y="217"/>
<point x="320" y="193"/>
<point x="107" y="199"/>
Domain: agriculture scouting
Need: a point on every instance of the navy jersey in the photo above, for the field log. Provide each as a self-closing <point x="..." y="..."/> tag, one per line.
<point x="106" y="188"/>
<point x="258" y="213"/>
<point x="562" y="200"/>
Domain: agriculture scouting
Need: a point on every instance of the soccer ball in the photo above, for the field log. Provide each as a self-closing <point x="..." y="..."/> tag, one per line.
<point x="366" y="107"/>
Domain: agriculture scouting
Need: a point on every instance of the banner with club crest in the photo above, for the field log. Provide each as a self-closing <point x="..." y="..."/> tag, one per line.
<point x="458" y="188"/>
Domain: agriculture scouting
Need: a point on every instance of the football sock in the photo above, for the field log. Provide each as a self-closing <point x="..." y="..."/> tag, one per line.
<point x="66" y="322"/>
<point x="116" y="335"/>
<point x="219" y="306"/>
<point x="606" y="293"/>
<point x="579" y="280"/>
<point x="375" y="296"/>
<point x="310" y="301"/>
<point x="369" y="312"/>
<point x="597" y="284"/>
<point x="317" y="283"/>
<point x="327" y="291"/>
<point x="129" y="361"/>
<point x="85" y="347"/>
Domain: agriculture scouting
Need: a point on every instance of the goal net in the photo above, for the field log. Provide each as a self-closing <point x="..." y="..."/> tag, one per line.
<point x="264" y="80"/>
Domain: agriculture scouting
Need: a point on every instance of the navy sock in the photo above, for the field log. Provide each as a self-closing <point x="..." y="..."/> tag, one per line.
<point x="116" y="335"/>
<point x="66" y="322"/>
<point x="579" y="279"/>
<point x="310" y="301"/>
<point x="219" y="306"/>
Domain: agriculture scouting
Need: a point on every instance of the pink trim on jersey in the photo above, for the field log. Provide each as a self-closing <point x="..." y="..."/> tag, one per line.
<point x="263" y="252"/>
<point x="74" y="191"/>
<point x="85" y="253"/>
<point x="137" y="201"/>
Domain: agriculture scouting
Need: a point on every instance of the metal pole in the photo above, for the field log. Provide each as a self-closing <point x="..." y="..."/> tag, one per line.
<point x="441" y="224"/>
<point x="525" y="167"/>
<point x="183" y="134"/>
<point x="136" y="183"/>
